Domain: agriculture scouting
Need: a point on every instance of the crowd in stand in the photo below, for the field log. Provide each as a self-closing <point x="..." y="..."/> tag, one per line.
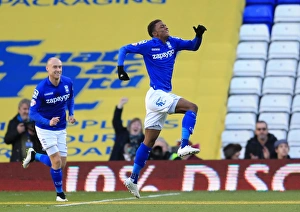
<point x="264" y="145"/>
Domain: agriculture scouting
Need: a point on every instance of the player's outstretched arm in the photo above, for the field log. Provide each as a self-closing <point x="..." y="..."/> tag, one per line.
<point x="192" y="45"/>
<point x="199" y="30"/>
<point x="122" y="74"/>
<point x="138" y="48"/>
<point x="121" y="58"/>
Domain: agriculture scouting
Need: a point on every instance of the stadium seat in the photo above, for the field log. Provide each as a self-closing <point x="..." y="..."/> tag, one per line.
<point x="294" y="136"/>
<point x="254" y="32"/>
<point x="276" y="121"/>
<point x="297" y="87"/>
<point x="252" y="50"/>
<point x="279" y="134"/>
<point x="275" y="103"/>
<point x="243" y="103"/>
<point x="237" y="136"/>
<point x="288" y="1"/>
<point x="249" y="68"/>
<point x="295" y="121"/>
<point x="294" y="143"/>
<point x="254" y="14"/>
<point x="287" y="13"/>
<point x="294" y="150"/>
<point x="255" y="2"/>
<point x="286" y="32"/>
<point x="278" y="85"/>
<point x="245" y="85"/>
<point x="240" y="121"/>
<point x="282" y="67"/>
<point x="298" y="70"/>
<point x="284" y="50"/>
<point x="296" y="104"/>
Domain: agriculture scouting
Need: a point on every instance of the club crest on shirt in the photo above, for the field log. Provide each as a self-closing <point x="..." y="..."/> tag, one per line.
<point x="32" y="103"/>
<point x="66" y="89"/>
<point x="169" y="45"/>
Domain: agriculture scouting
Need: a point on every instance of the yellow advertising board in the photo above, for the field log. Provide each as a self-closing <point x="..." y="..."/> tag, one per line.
<point x="86" y="36"/>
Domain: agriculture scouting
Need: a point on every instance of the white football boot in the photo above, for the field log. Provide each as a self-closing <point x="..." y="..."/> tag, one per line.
<point x="187" y="150"/>
<point x="30" y="157"/>
<point x="132" y="187"/>
<point x="61" y="197"/>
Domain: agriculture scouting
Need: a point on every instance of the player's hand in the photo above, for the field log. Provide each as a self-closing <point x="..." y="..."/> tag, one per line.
<point x="54" y="121"/>
<point x="122" y="74"/>
<point x="72" y="120"/>
<point x="21" y="128"/>
<point x="122" y="102"/>
<point x="199" y="30"/>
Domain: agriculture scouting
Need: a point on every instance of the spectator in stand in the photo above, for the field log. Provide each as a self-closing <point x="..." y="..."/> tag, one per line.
<point x="127" y="139"/>
<point x="161" y="150"/>
<point x="232" y="151"/>
<point x="21" y="133"/>
<point x="282" y="149"/>
<point x="261" y="146"/>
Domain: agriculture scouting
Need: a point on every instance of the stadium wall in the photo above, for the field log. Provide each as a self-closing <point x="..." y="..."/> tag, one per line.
<point x="260" y="175"/>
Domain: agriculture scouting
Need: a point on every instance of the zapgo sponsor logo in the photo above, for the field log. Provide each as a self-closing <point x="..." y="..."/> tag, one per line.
<point x="58" y="99"/>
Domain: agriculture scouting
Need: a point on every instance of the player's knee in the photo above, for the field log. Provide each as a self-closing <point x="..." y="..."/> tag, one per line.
<point x="149" y="143"/>
<point x="193" y="107"/>
<point x="56" y="161"/>
<point x="56" y="164"/>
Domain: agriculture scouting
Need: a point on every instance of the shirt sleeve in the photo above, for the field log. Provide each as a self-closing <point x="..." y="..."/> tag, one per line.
<point x="191" y="45"/>
<point x="71" y="102"/>
<point x="35" y="105"/>
<point x="138" y="48"/>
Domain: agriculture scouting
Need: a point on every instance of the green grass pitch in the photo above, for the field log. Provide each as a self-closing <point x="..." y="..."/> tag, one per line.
<point x="202" y="201"/>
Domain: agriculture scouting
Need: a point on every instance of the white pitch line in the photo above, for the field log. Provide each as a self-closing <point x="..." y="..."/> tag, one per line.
<point x="119" y="199"/>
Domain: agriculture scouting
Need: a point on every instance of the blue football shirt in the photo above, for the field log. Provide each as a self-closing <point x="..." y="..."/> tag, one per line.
<point x="159" y="58"/>
<point x="50" y="101"/>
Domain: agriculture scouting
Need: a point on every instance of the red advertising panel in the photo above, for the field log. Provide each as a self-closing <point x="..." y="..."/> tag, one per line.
<point x="214" y="175"/>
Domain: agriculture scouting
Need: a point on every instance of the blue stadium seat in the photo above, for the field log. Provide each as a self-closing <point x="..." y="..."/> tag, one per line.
<point x="288" y="1"/>
<point x="252" y="2"/>
<point x="254" y="14"/>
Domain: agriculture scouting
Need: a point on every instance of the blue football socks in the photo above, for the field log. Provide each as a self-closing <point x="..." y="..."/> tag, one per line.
<point x="43" y="159"/>
<point x="57" y="179"/>
<point x="188" y="124"/>
<point x="141" y="157"/>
